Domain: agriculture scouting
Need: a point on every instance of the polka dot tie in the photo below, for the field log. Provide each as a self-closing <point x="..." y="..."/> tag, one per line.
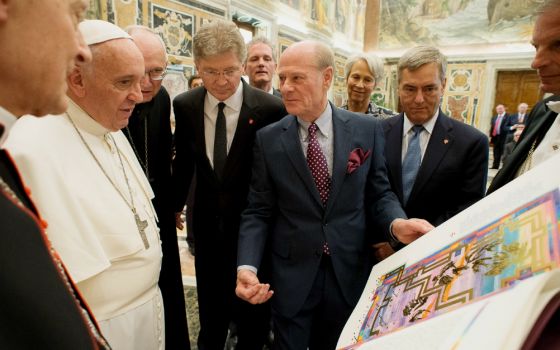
<point x="318" y="164"/>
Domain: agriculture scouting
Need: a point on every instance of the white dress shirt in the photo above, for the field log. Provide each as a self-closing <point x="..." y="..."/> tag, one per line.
<point x="231" y="112"/>
<point x="324" y="136"/>
<point x="425" y="134"/>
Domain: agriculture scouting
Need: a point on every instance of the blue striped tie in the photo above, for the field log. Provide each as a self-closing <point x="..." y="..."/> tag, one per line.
<point x="411" y="162"/>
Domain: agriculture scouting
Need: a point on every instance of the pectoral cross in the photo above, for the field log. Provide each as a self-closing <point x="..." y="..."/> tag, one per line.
<point x="142" y="225"/>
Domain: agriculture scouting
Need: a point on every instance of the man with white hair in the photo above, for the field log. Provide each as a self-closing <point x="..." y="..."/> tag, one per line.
<point x="90" y="187"/>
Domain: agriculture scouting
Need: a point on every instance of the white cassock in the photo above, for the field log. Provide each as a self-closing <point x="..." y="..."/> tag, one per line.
<point x="90" y="224"/>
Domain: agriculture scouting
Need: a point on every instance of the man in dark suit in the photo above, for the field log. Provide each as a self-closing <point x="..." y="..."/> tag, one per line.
<point x="149" y="134"/>
<point x="453" y="162"/>
<point x="260" y="65"/>
<point x="41" y="307"/>
<point x="516" y="121"/>
<point x="538" y="140"/>
<point x="216" y="126"/>
<point x="317" y="224"/>
<point x="499" y="130"/>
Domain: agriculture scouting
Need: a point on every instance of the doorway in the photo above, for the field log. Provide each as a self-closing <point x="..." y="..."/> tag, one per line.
<point x="514" y="87"/>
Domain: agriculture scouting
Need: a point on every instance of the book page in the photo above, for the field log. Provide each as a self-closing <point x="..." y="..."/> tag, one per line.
<point x="484" y="251"/>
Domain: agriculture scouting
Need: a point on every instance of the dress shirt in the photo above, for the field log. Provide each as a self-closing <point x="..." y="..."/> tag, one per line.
<point x="424" y="134"/>
<point x="7" y="119"/>
<point x="324" y="136"/>
<point x="231" y="112"/>
<point x="325" y="139"/>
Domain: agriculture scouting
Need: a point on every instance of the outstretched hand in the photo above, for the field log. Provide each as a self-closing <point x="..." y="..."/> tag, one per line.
<point x="407" y="231"/>
<point x="250" y="289"/>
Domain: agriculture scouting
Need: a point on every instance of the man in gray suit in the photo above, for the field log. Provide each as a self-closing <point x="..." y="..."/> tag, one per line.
<point x="319" y="188"/>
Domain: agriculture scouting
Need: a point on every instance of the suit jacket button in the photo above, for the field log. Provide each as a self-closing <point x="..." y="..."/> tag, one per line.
<point x="318" y="252"/>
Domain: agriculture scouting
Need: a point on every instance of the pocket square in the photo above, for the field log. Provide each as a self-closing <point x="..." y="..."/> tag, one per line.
<point x="357" y="158"/>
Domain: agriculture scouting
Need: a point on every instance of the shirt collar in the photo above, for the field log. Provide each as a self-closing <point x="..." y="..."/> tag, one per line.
<point x="234" y="102"/>
<point x="324" y="122"/>
<point x="7" y="120"/>
<point x="428" y="126"/>
<point x="84" y="121"/>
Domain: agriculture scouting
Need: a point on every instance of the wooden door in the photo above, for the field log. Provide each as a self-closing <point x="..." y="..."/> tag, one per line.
<point x="514" y="87"/>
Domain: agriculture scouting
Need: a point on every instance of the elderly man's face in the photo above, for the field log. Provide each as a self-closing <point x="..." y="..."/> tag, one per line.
<point x="420" y="92"/>
<point x="546" y="39"/>
<point x="304" y="86"/>
<point x="522" y="109"/>
<point x="48" y="29"/>
<point x="260" y="65"/>
<point x="112" y="84"/>
<point x="221" y="74"/>
<point x="154" y="61"/>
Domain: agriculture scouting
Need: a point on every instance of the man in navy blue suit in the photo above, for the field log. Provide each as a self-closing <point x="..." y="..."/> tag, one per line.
<point x="319" y="190"/>
<point x="453" y="162"/>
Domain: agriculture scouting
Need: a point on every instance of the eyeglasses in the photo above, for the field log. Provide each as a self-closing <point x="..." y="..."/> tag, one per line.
<point x="215" y="74"/>
<point x="428" y="91"/>
<point x="156" y="73"/>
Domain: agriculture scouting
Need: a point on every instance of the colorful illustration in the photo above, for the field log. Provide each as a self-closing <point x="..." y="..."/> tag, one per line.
<point x="519" y="245"/>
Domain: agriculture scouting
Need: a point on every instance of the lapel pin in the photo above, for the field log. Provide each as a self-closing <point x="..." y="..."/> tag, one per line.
<point x="251" y="121"/>
<point x="445" y="141"/>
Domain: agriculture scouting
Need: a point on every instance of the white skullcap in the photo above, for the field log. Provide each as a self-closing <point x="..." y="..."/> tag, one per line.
<point x="96" y="31"/>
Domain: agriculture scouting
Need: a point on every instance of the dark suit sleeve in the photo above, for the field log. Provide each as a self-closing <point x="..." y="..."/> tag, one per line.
<point x="255" y="220"/>
<point x="472" y="184"/>
<point x="381" y="202"/>
<point x="183" y="163"/>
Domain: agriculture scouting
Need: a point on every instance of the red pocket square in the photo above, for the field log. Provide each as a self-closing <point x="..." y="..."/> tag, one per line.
<point x="357" y="158"/>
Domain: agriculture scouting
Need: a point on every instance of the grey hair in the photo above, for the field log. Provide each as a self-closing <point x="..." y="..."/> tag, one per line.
<point x="547" y="6"/>
<point x="374" y="63"/>
<point x="262" y="40"/>
<point x="324" y="57"/>
<point x="218" y="37"/>
<point x="418" y="56"/>
<point x="138" y="28"/>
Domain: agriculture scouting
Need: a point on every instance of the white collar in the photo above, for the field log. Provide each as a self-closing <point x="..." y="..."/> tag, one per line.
<point x="84" y="121"/>
<point x="429" y="125"/>
<point x="7" y="119"/>
<point x="234" y="102"/>
<point x="324" y="122"/>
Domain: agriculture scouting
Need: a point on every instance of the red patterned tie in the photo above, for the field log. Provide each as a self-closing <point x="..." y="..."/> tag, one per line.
<point x="318" y="164"/>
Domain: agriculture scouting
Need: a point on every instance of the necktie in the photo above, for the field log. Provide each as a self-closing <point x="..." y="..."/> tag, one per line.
<point x="412" y="161"/>
<point x="497" y="123"/>
<point x="520" y="118"/>
<point x="220" y="142"/>
<point x="318" y="164"/>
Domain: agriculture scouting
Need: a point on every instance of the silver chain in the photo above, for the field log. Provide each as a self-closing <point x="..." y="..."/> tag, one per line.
<point x="131" y="204"/>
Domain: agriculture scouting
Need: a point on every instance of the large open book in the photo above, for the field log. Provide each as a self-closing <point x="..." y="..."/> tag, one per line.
<point x="486" y="279"/>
